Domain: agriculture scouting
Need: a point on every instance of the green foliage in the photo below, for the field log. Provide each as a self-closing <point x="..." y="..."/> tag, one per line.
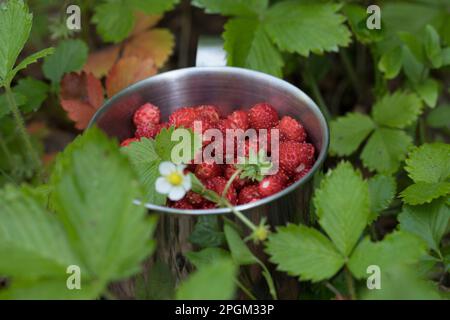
<point x="207" y="232"/>
<point x="214" y="281"/>
<point x="429" y="168"/>
<point x="158" y="285"/>
<point x="256" y="32"/>
<point x="206" y="256"/>
<point x="115" y="18"/>
<point x="70" y="55"/>
<point x="438" y="118"/>
<point x="96" y="226"/>
<point x="387" y="146"/>
<point x="382" y="190"/>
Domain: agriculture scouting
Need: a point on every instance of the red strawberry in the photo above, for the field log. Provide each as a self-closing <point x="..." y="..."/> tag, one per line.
<point x="148" y="131"/>
<point x="238" y="183"/>
<point x="271" y="185"/>
<point x="263" y="116"/>
<point x="240" y="119"/>
<point x="182" y="204"/>
<point x="183" y="117"/>
<point x="249" y="194"/>
<point x="307" y="151"/>
<point x="208" y="112"/>
<point x="291" y="129"/>
<point x="195" y="199"/>
<point x="208" y="205"/>
<point x="293" y="154"/>
<point x="146" y="114"/>
<point x="218" y="185"/>
<point x="127" y="142"/>
<point x="301" y="171"/>
<point x="208" y="170"/>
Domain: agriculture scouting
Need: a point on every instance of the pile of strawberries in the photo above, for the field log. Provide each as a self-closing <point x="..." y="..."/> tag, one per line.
<point x="296" y="156"/>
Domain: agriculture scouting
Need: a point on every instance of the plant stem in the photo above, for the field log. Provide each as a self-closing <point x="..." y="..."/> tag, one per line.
<point x="316" y="93"/>
<point x="350" y="283"/>
<point x="245" y="290"/>
<point x="240" y="215"/>
<point x="229" y="182"/>
<point x="4" y="148"/>
<point x="333" y="289"/>
<point x="350" y="71"/>
<point x="20" y="123"/>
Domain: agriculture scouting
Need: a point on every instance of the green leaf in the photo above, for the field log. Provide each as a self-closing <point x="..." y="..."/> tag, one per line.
<point x="433" y="47"/>
<point x="385" y="150"/>
<point x="304" y="252"/>
<point x="70" y="55"/>
<point x="424" y="192"/>
<point x="348" y="132"/>
<point x="381" y="191"/>
<point x="438" y="118"/>
<point x="428" y="91"/>
<point x="232" y="8"/>
<point x="396" y="248"/>
<point x="207" y="256"/>
<point x="171" y="144"/>
<point x="15" y="26"/>
<point x="401" y="282"/>
<point x="240" y="253"/>
<point x="211" y="282"/>
<point x="94" y="193"/>
<point x="343" y="207"/>
<point x="207" y="232"/>
<point x="153" y="6"/>
<point x="34" y="91"/>
<point x="248" y="45"/>
<point x="158" y="285"/>
<point x="357" y="18"/>
<point x="397" y="110"/>
<point x="429" y="163"/>
<point x="413" y="68"/>
<point x="33" y="58"/>
<point x="305" y="27"/>
<point x="429" y="221"/>
<point x="114" y="20"/>
<point x="391" y="62"/>
<point x="4" y="104"/>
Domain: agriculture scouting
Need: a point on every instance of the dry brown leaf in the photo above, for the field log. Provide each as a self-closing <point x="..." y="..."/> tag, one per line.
<point x="81" y="95"/>
<point x="157" y="44"/>
<point x="128" y="70"/>
<point x="144" y="22"/>
<point x="100" y="62"/>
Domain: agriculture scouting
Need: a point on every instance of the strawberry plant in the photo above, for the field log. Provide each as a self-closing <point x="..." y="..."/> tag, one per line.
<point x="379" y="219"/>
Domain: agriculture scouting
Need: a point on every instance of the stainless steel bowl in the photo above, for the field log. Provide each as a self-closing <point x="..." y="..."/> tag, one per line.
<point x="229" y="88"/>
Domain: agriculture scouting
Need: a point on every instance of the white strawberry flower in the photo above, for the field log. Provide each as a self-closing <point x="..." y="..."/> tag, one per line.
<point x="173" y="182"/>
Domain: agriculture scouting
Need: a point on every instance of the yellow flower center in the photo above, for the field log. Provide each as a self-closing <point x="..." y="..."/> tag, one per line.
<point x="175" y="178"/>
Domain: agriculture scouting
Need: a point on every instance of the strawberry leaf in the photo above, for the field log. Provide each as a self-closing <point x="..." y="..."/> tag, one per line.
<point x="381" y="191"/>
<point x="248" y="45"/>
<point x="343" y="206"/>
<point x="429" y="221"/>
<point x="428" y="90"/>
<point x="70" y="55"/>
<point x="154" y="6"/>
<point x="100" y="62"/>
<point x="34" y="91"/>
<point x="398" y="110"/>
<point x="232" y="8"/>
<point x="348" y="132"/>
<point x="33" y="58"/>
<point x="304" y="252"/>
<point x="114" y="20"/>
<point x="206" y="256"/>
<point x="424" y="192"/>
<point x="391" y="62"/>
<point x="396" y="248"/>
<point x="385" y="150"/>
<point x="305" y="27"/>
<point x="15" y="26"/>
<point x="165" y="144"/>
<point x="81" y="96"/>
<point x="433" y="48"/>
<point x="438" y="118"/>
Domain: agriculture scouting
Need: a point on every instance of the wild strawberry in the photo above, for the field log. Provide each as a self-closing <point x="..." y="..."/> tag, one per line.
<point x="127" y="142"/>
<point x="206" y="170"/>
<point x="262" y="116"/>
<point x="182" y="204"/>
<point x="148" y="131"/>
<point x="238" y="183"/>
<point x="300" y="172"/>
<point x="146" y="114"/>
<point x="195" y="199"/>
<point x="307" y="151"/>
<point x="240" y="119"/>
<point x="249" y="194"/>
<point x="271" y="185"/>
<point x="294" y="154"/>
<point x="291" y="129"/>
<point x="218" y="184"/>
<point x="183" y="117"/>
<point x="209" y="112"/>
<point x="208" y="205"/>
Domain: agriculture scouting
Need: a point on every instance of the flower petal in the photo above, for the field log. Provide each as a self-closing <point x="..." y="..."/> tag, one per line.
<point x="187" y="185"/>
<point x="181" y="167"/>
<point x="166" y="168"/>
<point x="177" y="193"/>
<point x="162" y="185"/>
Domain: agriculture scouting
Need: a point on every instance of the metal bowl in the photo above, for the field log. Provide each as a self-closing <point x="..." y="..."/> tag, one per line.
<point x="229" y="88"/>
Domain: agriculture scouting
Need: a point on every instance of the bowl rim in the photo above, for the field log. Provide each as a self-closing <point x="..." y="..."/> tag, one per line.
<point x="173" y="74"/>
